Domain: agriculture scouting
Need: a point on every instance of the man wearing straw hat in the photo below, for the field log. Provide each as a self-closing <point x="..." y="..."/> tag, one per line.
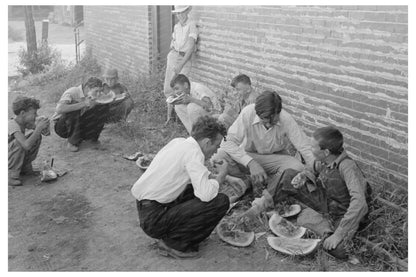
<point x="182" y="47"/>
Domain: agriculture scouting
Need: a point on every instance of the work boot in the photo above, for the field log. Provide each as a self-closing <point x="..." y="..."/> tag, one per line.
<point x="28" y="171"/>
<point x="14" y="182"/>
<point x="165" y="250"/>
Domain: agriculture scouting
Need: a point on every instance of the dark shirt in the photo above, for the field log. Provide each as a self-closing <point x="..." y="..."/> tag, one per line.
<point x="356" y="185"/>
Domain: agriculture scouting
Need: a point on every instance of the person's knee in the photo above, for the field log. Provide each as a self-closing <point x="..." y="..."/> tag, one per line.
<point x="294" y="164"/>
<point x="222" y="202"/>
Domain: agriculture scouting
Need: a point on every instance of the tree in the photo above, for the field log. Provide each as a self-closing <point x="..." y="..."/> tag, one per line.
<point x="30" y="31"/>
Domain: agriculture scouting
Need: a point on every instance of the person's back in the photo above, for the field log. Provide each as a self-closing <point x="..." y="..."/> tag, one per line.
<point x="177" y="198"/>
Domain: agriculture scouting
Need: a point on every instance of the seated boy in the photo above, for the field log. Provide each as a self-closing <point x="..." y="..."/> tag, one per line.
<point x="337" y="199"/>
<point x="78" y="117"/>
<point x="23" y="148"/>
<point x="198" y="100"/>
<point x="120" y="110"/>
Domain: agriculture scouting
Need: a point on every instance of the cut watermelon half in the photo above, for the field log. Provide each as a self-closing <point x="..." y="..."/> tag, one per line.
<point x="234" y="237"/>
<point x="293" y="246"/>
<point x="106" y="98"/>
<point x="284" y="228"/>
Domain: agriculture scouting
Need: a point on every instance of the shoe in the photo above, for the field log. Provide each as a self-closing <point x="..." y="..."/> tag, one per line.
<point x="165" y="250"/>
<point x="28" y="171"/>
<point x="72" y="148"/>
<point x="15" y="182"/>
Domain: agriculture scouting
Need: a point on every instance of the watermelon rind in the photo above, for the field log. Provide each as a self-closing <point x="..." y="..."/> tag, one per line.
<point x="249" y="237"/>
<point x="293" y="247"/>
<point x="294" y="210"/>
<point x="107" y="98"/>
<point x="278" y="228"/>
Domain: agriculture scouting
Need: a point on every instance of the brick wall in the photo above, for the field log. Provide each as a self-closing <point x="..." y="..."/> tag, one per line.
<point x="341" y="65"/>
<point x="119" y="36"/>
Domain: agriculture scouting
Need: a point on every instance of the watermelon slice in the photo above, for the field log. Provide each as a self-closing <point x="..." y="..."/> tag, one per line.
<point x="173" y="98"/>
<point x="285" y="228"/>
<point x="289" y="211"/>
<point x="227" y="233"/>
<point x="120" y="97"/>
<point x="293" y="246"/>
<point x="106" y="98"/>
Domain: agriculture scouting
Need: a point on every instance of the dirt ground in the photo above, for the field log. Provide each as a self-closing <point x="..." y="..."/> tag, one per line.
<point x="87" y="219"/>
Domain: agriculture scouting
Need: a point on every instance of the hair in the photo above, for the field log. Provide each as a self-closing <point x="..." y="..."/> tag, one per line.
<point x="93" y="82"/>
<point x="241" y="78"/>
<point x="208" y="127"/>
<point x="329" y="138"/>
<point x="22" y="103"/>
<point x="180" y="79"/>
<point x="268" y="103"/>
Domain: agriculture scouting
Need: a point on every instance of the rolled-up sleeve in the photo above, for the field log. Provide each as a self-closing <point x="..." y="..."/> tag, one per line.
<point x="235" y="137"/>
<point x="299" y="140"/>
<point x="204" y="188"/>
<point x="193" y="30"/>
<point x="357" y="209"/>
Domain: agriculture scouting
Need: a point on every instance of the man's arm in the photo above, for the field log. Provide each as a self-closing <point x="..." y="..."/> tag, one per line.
<point x="27" y="143"/>
<point x="204" y="188"/>
<point x="357" y="209"/>
<point x="65" y="107"/>
<point x="188" y="54"/>
<point x="299" y="140"/>
<point x="235" y="136"/>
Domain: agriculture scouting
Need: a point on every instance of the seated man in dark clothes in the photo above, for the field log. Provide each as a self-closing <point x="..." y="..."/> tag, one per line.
<point x="78" y="117"/>
<point x="119" y="110"/>
<point x="177" y="197"/>
<point x="24" y="147"/>
<point x="337" y="198"/>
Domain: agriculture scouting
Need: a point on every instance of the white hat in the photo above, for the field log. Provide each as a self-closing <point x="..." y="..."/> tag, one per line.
<point x="180" y="8"/>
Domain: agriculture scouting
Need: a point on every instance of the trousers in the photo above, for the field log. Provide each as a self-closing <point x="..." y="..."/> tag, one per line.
<point x="183" y="223"/>
<point x="77" y="127"/>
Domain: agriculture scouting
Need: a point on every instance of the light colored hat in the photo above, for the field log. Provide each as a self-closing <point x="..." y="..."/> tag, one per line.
<point x="110" y="73"/>
<point x="180" y="8"/>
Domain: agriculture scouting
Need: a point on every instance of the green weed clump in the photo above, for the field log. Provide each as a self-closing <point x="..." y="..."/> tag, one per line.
<point x="388" y="230"/>
<point x="33" y="63"/>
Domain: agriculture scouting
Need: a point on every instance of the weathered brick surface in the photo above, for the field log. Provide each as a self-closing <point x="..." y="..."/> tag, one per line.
<point x="119" y="36"/>
<point x="340" y="65"/>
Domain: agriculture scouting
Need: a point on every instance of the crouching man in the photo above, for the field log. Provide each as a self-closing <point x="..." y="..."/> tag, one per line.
<point x="23" y="148"/>
<point x="337" y="198"/>
<point x="78" y="117"/>
<point x="120" y="110"/>
<point x="177" y="198"/>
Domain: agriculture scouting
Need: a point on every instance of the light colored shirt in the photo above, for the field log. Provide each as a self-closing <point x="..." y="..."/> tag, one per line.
<point x="181" y="34"/>
<point x="13" y="128"/>
<point x="177" y="164"/>
<point x="357" y="186"/>
<point x="70" y="96"/>
<point x="200" y="91"/>
<point x="248" y="126"/>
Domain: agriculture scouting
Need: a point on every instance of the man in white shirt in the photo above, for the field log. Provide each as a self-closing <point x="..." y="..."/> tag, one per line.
<point x="179" y="59"/>
<point x="197" y="100"/>
<point x="258" y="140"/>
<point x="177" y="198"/>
